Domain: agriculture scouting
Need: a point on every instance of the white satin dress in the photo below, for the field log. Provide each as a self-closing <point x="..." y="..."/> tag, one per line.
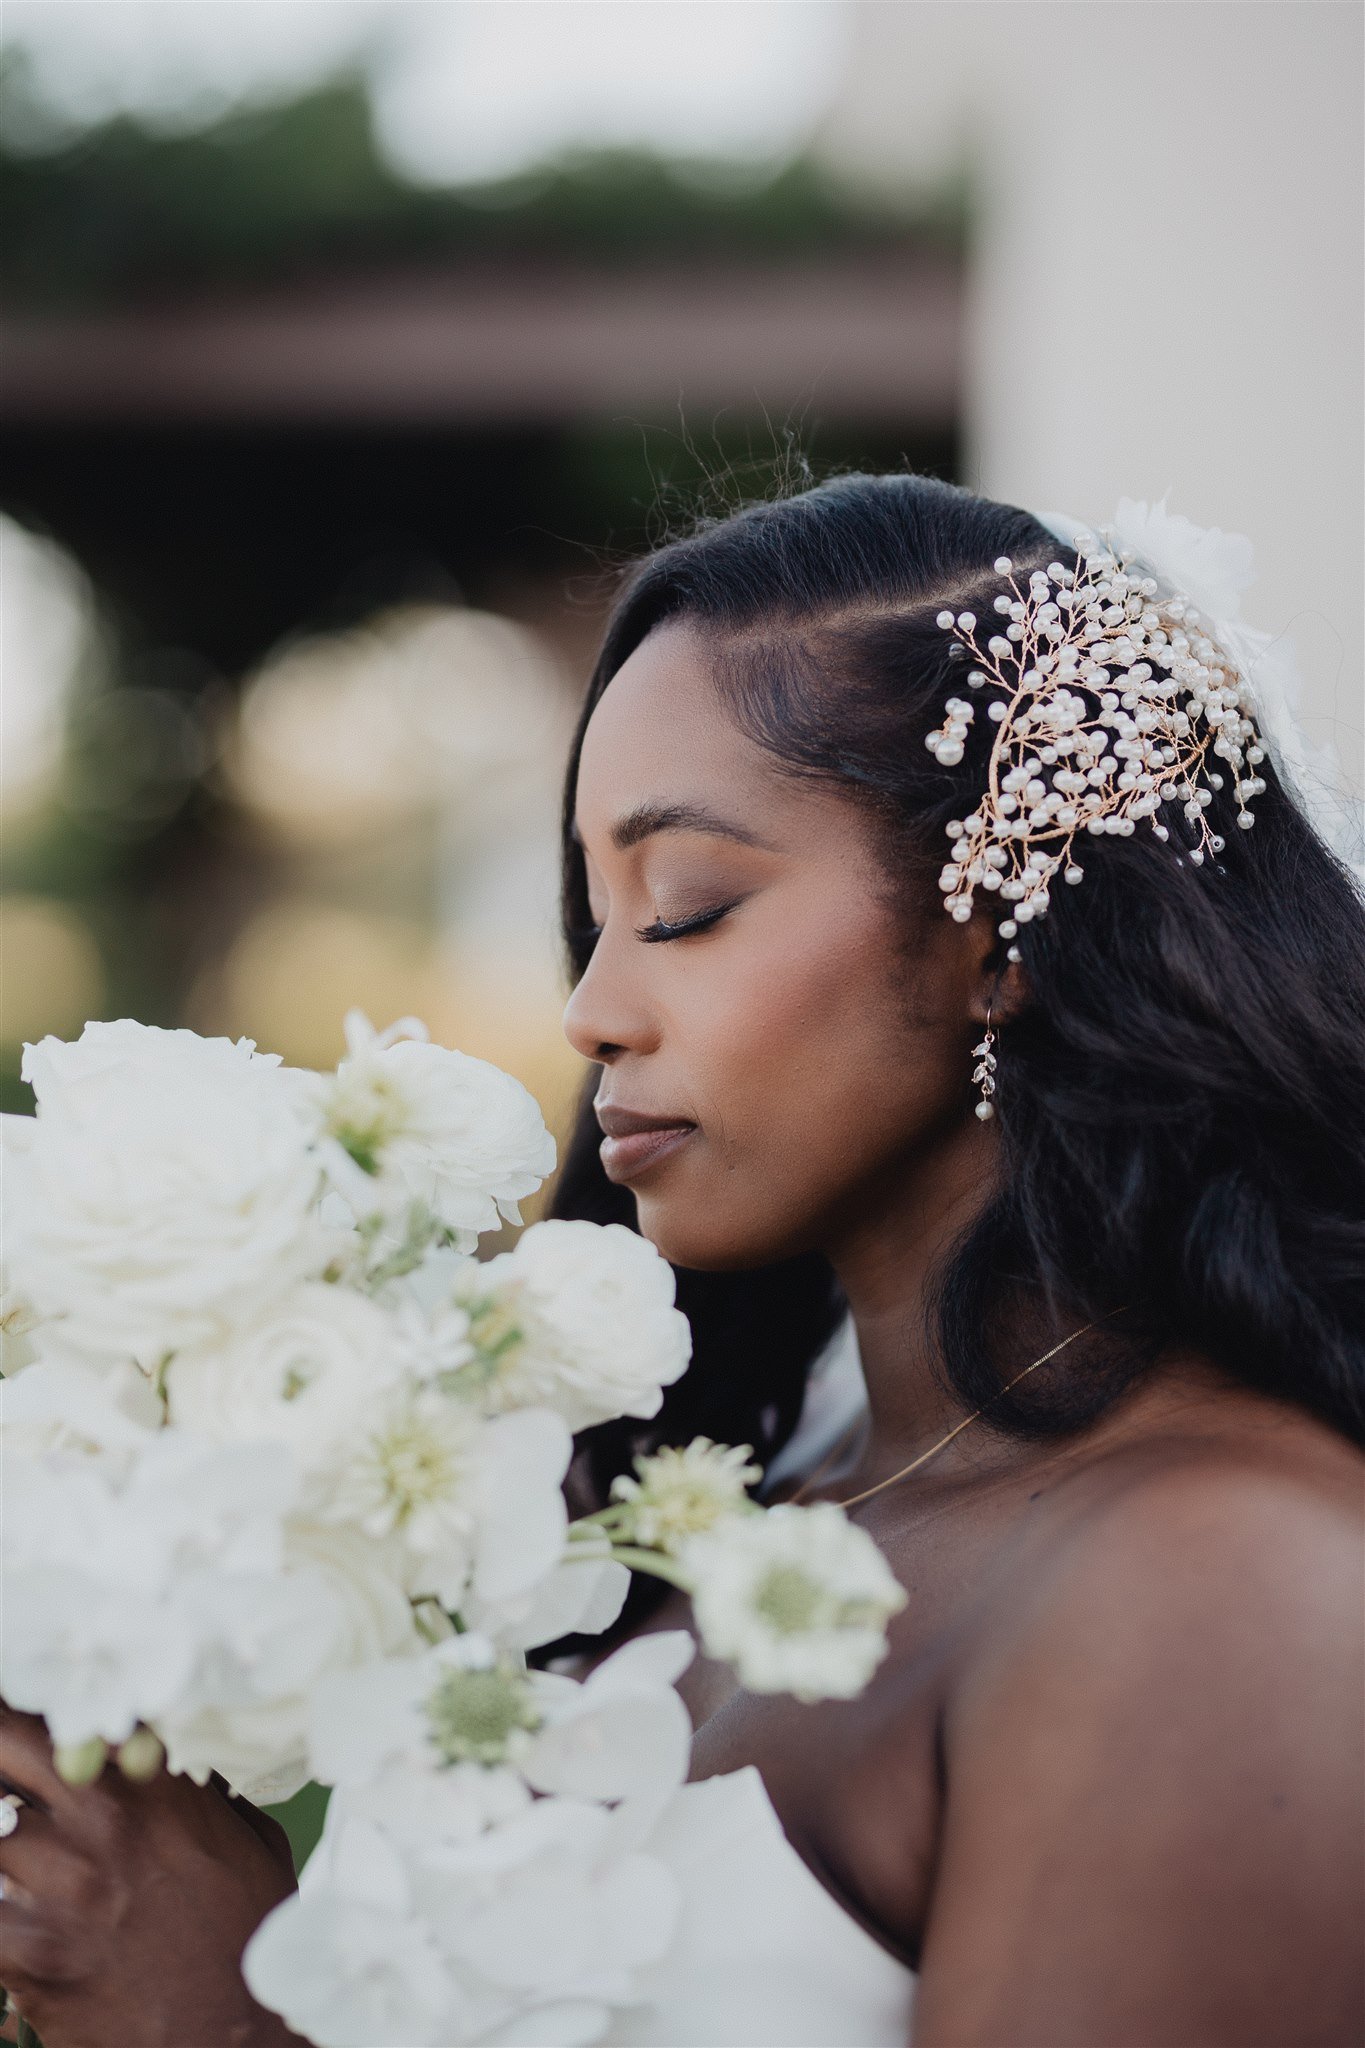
<point x="765" y="1956"/>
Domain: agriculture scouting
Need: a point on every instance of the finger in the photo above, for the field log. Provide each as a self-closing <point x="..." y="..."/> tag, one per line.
<point x="37" y="1861"/>
<point x="263" y="1825"/>
<point x="26" y="1762"/>
<point x="55" y="1905"/>
<point x="34" y="1951"/>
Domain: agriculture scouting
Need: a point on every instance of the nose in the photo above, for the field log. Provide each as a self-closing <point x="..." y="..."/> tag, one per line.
<point x="606" y="1015"/>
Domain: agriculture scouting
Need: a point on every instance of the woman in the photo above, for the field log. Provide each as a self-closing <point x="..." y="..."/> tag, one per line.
<point x="1105" y="1789"/>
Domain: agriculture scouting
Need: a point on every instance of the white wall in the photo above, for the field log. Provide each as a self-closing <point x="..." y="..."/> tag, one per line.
<point x="1167" y="284"/>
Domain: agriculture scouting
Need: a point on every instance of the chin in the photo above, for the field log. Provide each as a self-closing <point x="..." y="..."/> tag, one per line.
<point x="700" y="1238"/>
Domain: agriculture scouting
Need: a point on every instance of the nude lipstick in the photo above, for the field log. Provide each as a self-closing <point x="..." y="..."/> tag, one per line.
<point x="634" y="1141"/>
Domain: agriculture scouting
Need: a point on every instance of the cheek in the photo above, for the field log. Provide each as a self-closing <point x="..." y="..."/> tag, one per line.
<point x="812" y="1067"/>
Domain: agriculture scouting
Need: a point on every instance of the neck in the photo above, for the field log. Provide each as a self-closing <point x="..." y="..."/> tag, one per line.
<point x="884" y="1260"/>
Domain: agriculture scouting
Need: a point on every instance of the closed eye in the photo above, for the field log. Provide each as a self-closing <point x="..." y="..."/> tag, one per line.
<point x="661" y="931"/>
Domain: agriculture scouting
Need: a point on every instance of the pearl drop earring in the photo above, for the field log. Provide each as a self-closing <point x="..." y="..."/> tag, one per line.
<point x="984" y="1071"/>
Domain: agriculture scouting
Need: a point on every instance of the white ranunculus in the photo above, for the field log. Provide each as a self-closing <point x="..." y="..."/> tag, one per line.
<point x="417" y="1126"/>
<point x="168" y="1188"/>
<point x="796" y="1598"/>
<point x="579" y="1317"/>
<point x="309" y="1371"/>
<point x="473" y="1502"/>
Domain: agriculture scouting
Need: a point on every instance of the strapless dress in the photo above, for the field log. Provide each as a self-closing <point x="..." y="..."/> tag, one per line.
<point x="764" y="1957"/>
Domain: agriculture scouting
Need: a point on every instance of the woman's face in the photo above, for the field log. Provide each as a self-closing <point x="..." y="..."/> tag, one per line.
<point x="776" y="1056"/>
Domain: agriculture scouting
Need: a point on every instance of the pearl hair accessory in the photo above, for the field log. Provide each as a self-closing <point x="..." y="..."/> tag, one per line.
<point x="1113" y="698"/>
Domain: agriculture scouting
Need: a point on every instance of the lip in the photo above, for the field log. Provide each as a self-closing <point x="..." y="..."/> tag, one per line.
<point x="635" y="1141"/>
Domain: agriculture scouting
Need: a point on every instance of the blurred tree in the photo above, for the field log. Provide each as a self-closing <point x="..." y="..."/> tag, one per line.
<point x="121" y="212"/>
<point x="210" y="541"/>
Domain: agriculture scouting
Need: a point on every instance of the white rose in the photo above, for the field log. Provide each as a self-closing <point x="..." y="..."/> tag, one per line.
<point x="306" y="1373"/>
<point x="168" y="1188"/>
<point x="579" y="1317"/>
<point x="415" y="1125"/>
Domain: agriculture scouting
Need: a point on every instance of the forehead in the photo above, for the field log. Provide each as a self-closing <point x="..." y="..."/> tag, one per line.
<point x="659" y="724"/>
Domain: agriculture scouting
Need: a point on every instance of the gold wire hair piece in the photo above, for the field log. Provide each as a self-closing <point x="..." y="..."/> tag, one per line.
<point x="1112" y="699"/>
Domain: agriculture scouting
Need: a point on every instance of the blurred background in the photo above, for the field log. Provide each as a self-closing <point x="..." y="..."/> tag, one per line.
<point x="349" y="345"/>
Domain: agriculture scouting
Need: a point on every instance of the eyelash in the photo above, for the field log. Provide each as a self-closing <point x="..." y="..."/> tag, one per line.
<point x="657" y="934"/>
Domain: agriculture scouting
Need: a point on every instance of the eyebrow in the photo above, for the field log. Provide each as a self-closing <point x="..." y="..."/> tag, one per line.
<point x="648" y="819"/>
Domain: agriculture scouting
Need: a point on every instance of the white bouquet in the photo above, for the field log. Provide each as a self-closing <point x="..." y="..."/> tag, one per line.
<point x="283" y="1468"/>
<point x="270" y="1419"/>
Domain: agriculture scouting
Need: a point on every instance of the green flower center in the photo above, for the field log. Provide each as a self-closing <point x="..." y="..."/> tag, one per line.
<point x="495" y="1331"/>
<point x="790" y="1600"/>
<point x="415" y="1467"/>
<point x="366" y="1117"/>
<point x="474" y="1715"/>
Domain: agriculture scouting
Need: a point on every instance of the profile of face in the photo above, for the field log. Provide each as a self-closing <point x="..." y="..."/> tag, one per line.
<point x="785" y="1042"/>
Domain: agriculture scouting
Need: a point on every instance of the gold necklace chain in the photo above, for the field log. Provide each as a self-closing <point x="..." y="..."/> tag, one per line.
<point x="856" y="1500"/>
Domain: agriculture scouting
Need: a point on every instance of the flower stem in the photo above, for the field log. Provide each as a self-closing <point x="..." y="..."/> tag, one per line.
<point x="653" y="1562"/>
<point x="603" y="1519"/>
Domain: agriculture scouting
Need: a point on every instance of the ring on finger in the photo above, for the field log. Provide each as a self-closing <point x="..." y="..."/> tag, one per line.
<point x="10" y="1803"/>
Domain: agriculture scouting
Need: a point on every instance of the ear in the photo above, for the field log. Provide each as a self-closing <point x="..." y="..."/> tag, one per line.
<point x="996" y="984"/>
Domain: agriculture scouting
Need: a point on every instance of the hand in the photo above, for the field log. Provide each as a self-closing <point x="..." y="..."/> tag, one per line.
<point x="127" y="1906"/>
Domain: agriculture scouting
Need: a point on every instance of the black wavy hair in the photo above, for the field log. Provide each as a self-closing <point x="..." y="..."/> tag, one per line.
<point x="1181" y="1105"/>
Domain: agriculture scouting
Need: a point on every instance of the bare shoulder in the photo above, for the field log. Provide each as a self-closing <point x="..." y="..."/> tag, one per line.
<point x="1154" y="1749"/>
<point x="1224" y="1547"/>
